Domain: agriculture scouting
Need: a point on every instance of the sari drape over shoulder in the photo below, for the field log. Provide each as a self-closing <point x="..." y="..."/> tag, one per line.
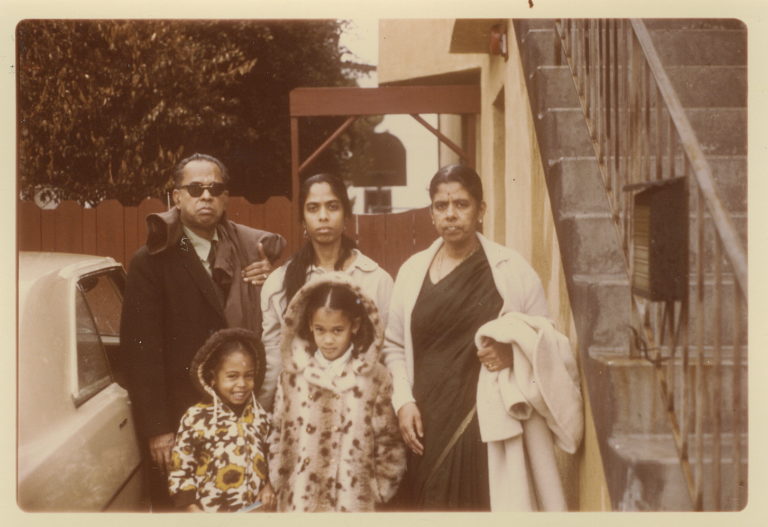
<point x="453" y="472"/>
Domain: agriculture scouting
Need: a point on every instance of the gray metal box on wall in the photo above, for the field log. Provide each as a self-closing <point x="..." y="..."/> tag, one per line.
<point x="660" y="239"/>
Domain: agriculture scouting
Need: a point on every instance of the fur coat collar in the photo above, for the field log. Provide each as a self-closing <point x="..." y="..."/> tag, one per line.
<point x="296" y="352"/>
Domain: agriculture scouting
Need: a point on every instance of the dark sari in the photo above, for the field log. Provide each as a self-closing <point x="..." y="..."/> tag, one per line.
<point x="444" y="321"/>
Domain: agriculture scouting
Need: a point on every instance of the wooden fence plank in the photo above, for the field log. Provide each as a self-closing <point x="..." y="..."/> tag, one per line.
<point x="399" y="242"/>
<point x="89" y="231"/>
<point x="131" y="230"/>
<point x="238" y="210"/>
<point x="28" y="225"/>
<point x="372" y="236"/>
<point x="110" y="235"/>
<point x="256" y="218"/>
<point x="279" y="217"/>
<point x="68" y="228"/>
<point x="48" y="230"/>
<point x="424" y="232"/>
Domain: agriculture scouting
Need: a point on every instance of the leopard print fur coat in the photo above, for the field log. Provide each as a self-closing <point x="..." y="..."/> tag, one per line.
<point x="335" y="443"/>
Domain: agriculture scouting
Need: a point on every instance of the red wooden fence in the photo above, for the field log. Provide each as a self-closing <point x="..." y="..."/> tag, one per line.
<point x="111" y="229"/>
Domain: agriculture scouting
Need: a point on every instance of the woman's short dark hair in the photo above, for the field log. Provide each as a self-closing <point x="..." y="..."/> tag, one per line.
<point x="336" y="296"/>
<point x="296" y="271"/>
<point x="462" y="174"/>
<point x="178" y="172"/>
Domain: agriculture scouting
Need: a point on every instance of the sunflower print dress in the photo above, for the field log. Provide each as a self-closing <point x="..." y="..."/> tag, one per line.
<point x="218" y="459"/>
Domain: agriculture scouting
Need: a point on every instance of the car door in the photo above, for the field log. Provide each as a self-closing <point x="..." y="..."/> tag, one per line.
<point x="99" y="372"/>
<point x="87" y="458"/>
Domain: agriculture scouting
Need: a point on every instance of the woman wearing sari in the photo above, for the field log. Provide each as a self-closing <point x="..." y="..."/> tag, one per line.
<point x="441" y="297"/>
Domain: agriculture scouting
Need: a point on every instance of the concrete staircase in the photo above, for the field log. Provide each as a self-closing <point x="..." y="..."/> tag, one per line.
<point x="706" y="61"/>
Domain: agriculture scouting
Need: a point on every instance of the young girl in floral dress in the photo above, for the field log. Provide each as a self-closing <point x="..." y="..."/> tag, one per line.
<point x="219" y="458"/>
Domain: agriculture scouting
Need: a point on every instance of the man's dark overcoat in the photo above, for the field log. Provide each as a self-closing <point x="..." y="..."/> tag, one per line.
<point x="171" y="306"/>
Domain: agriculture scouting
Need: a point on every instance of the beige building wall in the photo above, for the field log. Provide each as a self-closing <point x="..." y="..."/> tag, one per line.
<point x="406" y="50"/>
<point x="509" y="163"/>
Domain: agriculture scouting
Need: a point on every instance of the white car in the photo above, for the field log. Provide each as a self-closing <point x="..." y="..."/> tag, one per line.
<point x="77" y="445"/>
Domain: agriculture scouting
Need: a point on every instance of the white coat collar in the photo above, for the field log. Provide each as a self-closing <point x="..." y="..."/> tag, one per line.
<point x="495" y="253"/>
<point x="361" y="262"/>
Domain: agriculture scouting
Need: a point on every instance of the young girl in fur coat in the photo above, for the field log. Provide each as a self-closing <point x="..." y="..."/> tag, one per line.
<point x="335" y="443"/>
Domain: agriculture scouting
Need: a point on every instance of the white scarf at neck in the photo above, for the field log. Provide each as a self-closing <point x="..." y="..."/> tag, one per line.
<point x="333" y="368"/>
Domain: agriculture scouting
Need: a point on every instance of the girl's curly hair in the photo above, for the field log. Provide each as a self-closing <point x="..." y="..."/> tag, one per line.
<point x="219" y="346"/>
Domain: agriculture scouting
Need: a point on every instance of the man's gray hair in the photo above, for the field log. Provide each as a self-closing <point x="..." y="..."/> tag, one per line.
<point x="178" y="173"/>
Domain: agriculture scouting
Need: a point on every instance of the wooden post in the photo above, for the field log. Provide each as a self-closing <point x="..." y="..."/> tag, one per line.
<point x="471" y="140"/>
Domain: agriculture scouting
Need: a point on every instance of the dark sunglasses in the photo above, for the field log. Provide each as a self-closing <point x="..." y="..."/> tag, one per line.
<point x="196" y="189"/>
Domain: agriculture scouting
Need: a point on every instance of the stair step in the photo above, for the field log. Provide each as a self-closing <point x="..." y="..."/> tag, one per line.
<point x="710" y="85"/>
<point x="654" y="480"/>
<point x="539" y="47"/>
<point x="576" y="186"/>
<point x="564" y="133"/>
<point x="678" y="42"/>
<point x="701" y="46"/>
<point x="636" y="404"/>
<point x="696" y="45"/>
<point x="694" y="23"/>
<point x="607" y="299"/>
<point x="728" y="307"/>
<point x="730" y="174"/>
<point x="620" y="357"/>
<point x="592" y="242"/>
<point x="720" y="131"/>
<point x="696" y="86"/>
<point x="606" y="306"/>
<point x="740" y="224"/>
<point x="553" y="87"/>
<point x="537" y="23"/>
<point x="603" y="306"/>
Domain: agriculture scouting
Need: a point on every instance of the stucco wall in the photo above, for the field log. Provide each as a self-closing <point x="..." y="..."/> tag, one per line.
<point x="407" y="50"/>
<point x="531" y="229"/>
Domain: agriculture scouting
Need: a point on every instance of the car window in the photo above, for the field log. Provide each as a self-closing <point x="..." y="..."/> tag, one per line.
<point x="92" y="366"/>
<point x="97" y="309"/>
<point x="104" y="301"/>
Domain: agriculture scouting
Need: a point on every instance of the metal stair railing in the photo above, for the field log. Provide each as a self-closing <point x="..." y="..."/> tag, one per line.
<point x="642" y="135"/>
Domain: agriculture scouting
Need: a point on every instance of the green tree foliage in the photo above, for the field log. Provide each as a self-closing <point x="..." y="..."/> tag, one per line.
<point x="106" y="108"/>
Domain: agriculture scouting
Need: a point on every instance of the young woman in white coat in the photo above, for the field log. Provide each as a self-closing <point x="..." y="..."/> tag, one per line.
<point x="325" y="206"/>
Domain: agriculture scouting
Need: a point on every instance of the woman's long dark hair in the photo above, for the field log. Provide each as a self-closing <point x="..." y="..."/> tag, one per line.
<point x="296" y="272"/>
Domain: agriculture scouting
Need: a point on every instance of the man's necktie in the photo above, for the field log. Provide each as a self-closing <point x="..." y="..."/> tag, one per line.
<point x="212" y="255"/>
<point x="220" y="289"/>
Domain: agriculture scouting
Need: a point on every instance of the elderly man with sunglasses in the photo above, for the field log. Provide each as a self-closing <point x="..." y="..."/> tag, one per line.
<point x="197" y="273"/>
